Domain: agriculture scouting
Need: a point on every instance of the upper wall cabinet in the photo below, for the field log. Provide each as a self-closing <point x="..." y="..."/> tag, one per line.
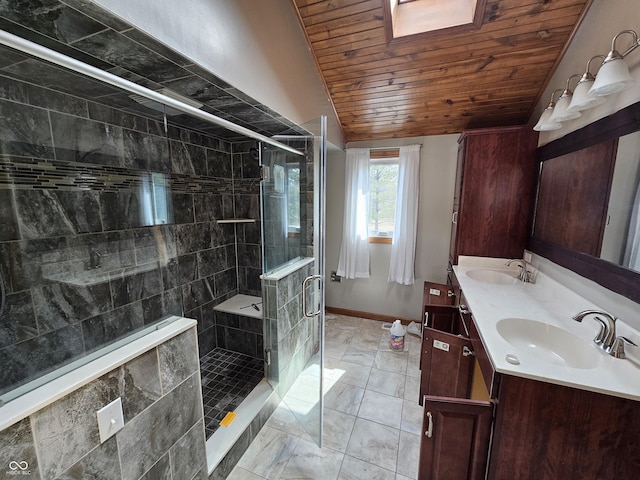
<point x="495" y="182"/>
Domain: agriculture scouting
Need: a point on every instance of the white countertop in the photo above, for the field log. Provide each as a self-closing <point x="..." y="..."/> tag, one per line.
<point x="549" y="302"/>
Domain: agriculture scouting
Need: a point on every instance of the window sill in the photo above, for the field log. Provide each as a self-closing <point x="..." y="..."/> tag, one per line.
<point x="388" y="240"/>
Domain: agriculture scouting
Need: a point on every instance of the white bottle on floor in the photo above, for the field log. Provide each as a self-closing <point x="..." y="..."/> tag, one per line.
<point x="397" y="336"/>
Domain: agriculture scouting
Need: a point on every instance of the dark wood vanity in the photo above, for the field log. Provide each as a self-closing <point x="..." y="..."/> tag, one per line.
<point x="479" y="423"/>
<point x="483" y="424"/>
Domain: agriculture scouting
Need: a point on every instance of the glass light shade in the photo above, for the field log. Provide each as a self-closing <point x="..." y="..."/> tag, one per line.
<point x="561" y="112"/>
<point x="544" y="125"/>
<point x="581" y="99"/>
<point x="613" y="77"/>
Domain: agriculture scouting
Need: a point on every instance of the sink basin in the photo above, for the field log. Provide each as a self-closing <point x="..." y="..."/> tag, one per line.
<point x="547" y="343"/>
<point x="496" y="277"/>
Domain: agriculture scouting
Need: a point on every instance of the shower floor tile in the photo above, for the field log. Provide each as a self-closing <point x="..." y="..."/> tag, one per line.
<point x="227" y="378"/>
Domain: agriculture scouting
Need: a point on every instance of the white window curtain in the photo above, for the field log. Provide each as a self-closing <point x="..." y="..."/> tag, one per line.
<point x="403" y="249"/>
<point x="632" y="251"/>
<point x="354" y="250"/>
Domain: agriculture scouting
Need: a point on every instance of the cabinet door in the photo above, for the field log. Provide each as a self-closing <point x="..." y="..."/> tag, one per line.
<point x="440" y="318"/>
<point x="498" y="185"/>
<point x="438" y="294"/>
<point x="446" y="363"/>
<point x="437" y="306"/>
<point x="455" y="441"/>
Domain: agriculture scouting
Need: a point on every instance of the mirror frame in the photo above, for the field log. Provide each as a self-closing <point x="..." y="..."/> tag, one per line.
<point x="611" y="276"/>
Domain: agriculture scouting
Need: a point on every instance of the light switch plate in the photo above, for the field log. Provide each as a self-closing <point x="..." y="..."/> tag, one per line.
<point x="110" y="419"/>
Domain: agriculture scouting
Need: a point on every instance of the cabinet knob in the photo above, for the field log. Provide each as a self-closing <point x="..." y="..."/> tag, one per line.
<point x="464" y="309"/>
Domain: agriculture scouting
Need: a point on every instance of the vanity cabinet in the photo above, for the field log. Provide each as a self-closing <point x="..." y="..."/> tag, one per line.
<point x="495" y="181"/>
<point x="478" y="423"/>
<point x="457" y="420"/>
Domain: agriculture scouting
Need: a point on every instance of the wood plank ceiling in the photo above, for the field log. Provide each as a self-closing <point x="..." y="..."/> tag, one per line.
<point x="438" y="83"/>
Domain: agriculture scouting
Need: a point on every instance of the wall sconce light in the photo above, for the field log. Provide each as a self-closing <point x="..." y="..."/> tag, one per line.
<point x="581" y="99"/>
<point x="614" y="76"/>
<point x="545" y="124"/>
<point x="561" y="111"/>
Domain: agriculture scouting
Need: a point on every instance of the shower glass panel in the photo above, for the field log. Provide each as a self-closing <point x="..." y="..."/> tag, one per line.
<point x="292" y="199"/>
<point x="109" y="224"/>
<point x="86" y="210"/>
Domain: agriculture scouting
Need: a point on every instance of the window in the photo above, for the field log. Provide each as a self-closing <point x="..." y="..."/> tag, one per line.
<point x="293" y="198"/>
<point x="155" y="204"/>
<point x="383" y="186"/>
<point x="412" y="17"/>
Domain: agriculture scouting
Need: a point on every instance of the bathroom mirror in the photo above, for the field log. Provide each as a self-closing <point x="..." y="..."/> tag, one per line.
<point x="586" y="215"/>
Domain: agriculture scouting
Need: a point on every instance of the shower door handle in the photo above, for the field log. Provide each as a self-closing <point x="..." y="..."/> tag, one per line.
<point x="304" y="296"/>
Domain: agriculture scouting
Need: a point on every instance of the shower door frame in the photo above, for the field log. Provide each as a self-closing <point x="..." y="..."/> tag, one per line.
<point x="304" y="277"/>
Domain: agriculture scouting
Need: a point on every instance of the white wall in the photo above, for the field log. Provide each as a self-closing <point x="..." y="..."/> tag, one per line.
<point x="375" y="295"/>
<point x="604" y="20"/>
<point x="256" y="46"/>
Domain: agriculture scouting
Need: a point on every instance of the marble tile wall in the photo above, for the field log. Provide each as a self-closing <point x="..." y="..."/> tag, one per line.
<point x="83" y="259"/>
<point x="292" y="337"/>
<point x="281" y="243"/>
<point x="90" y="34"/>
<point x="239" y="333"/>
<point x="163" y="435"/>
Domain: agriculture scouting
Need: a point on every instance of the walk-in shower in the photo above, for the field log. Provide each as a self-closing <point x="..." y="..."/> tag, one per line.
<point x="115" y="216"/>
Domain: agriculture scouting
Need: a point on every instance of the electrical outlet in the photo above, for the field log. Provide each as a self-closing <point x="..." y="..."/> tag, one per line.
<point x="527" y="256"/>
<point x="110" y="419"/>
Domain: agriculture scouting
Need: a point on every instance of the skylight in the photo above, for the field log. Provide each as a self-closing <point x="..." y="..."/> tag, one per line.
<point x="411" y="17"/>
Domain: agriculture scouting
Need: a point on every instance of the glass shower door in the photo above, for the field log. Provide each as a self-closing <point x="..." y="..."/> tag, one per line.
<point x="293" y="226"/>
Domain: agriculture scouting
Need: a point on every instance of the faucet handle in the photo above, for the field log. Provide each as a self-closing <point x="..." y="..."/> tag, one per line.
<point x="617" y="349"/>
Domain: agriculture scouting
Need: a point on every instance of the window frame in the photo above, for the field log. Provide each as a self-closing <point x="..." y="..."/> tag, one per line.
<point x="383" y="157"/>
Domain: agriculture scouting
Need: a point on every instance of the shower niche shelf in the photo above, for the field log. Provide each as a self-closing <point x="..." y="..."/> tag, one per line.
<point x="237" y="220"/>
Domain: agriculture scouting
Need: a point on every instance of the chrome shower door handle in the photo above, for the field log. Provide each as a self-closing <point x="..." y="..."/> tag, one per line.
<point x="305" y="283"/>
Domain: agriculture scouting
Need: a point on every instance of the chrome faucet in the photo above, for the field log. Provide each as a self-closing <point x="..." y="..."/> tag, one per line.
<point x="606" y="338"/>
<point x="526" y="275"/>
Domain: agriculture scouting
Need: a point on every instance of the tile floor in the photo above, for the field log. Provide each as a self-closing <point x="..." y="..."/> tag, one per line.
<point x="372" y="418"/>
<point x="227" y="379"/>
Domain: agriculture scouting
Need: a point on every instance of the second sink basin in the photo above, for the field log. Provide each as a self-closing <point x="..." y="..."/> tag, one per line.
<point x="495" y="277"/>
<point x="547" y="343"/>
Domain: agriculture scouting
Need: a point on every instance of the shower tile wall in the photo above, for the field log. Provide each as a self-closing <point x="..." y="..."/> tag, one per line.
<point x="246" y="204"/>
<point x="84" y="31"/>
<point x="163" y="436"/>
<point x="281" y="245"/>
<point x="81" y="263"/>
<point x="294" y="338"/>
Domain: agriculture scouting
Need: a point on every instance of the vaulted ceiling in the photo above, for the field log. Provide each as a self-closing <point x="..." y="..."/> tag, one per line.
<point x="439" y="82"/>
